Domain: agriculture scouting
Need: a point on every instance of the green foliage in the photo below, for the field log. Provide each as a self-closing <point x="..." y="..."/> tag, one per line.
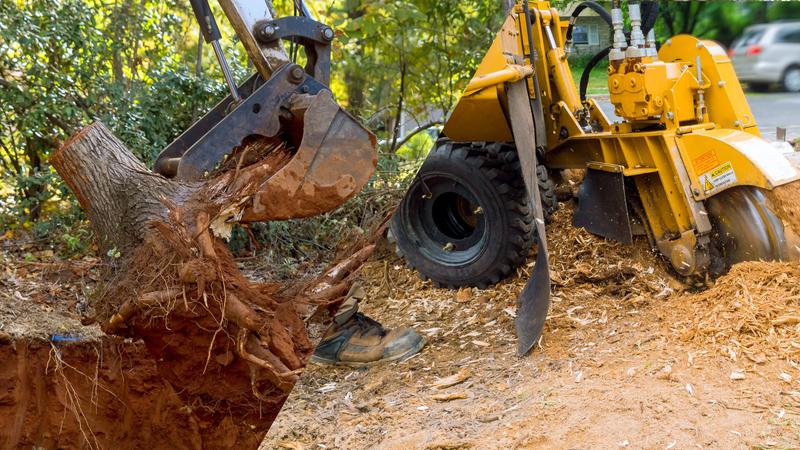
<point x="723" y="21"/>
<point x="417" y="147"/>
<point x="408" y="58"/>
<point x="65" y="64"/>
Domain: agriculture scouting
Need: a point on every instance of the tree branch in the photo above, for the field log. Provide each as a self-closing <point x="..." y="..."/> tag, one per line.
<point x="416" y="131"/>
<point x="12" y="159"/>
<point x="399" y="115"/>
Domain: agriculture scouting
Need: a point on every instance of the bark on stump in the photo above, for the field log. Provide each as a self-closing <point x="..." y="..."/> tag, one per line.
<point x="233" y="348"/>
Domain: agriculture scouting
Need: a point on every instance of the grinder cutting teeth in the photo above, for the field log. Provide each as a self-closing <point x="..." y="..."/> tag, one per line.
<point x="333" y="155"/>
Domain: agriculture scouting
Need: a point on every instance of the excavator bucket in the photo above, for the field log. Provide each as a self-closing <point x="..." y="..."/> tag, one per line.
<point x="332" y="155"/>
<point x="285" y="105"/>
<point x="335" y="159"/>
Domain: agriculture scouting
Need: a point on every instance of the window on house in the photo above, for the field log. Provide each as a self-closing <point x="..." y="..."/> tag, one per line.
<point x="586" y="35"/>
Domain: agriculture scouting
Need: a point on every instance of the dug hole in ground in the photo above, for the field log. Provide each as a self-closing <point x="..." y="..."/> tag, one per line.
<point x="630" y="358"/>
<point x="68" y="385"/>
<point x="169" y="342"/>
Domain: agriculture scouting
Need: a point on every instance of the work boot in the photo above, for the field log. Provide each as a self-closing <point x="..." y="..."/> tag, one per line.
<point x="356" y="340"/>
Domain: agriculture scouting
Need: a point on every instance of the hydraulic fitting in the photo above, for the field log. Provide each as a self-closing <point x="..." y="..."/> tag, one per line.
<point x="636" y="49"/>
<point x="620" y="43"/>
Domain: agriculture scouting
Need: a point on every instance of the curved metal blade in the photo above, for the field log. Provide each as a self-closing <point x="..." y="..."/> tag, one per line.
<point x="534" y="301"/>
<point x="748" y="228"/>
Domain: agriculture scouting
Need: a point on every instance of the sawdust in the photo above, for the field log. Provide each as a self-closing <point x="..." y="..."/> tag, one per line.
<point x="613" y="369"/>
<point x="753" y="310"/>
<point x="785" y="201"/>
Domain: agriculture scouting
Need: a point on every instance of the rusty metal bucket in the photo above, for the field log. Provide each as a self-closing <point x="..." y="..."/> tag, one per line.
<point x="333" y="155"/>
<point x="335" y="159"/>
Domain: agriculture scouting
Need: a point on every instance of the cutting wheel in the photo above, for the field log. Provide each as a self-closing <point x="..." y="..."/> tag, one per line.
<point x="746" y="228"/>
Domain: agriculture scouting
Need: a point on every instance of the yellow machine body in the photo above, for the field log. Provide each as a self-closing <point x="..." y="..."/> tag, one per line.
<point x="688" y="133"/>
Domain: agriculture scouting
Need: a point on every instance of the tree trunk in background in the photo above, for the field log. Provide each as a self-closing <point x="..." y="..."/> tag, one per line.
<point x="354" y="77"/>
<point x="232" y="348"/>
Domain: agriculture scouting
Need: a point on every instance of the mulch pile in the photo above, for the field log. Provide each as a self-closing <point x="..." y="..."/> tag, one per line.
<point x="754" y="310"/>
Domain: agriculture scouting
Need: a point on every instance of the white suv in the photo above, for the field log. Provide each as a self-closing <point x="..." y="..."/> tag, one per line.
<point x="769" y="53"/>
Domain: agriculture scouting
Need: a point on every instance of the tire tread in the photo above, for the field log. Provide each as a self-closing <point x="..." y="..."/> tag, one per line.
<point x="500" y="165"/>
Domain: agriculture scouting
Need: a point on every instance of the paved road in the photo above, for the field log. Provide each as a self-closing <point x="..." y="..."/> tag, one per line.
<point x="771" y="110"/>
<point x="776" y="110"/>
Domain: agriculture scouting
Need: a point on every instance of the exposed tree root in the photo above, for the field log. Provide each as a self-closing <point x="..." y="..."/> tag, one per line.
<point x="230" y="347"/>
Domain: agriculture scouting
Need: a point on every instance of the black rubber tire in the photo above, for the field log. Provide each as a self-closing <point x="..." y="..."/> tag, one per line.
<point x="437" y="231"/>
<point x="792" y="86"/>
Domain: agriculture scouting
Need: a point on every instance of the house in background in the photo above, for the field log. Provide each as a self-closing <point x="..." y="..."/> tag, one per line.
<point x="591" y="33"/>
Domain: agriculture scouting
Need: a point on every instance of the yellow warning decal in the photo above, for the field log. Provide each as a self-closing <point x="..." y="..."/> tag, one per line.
<point x="727" y="167"/>
<point x="718" y="178"/>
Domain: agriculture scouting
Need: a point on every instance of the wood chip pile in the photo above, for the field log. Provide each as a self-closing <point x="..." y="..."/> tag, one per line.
<point x="752" y="311"/>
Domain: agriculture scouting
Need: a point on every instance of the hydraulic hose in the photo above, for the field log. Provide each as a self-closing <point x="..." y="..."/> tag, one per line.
<point x="594" y="6"/>
<point x="650" y="12"/>
<point x="588" y="70"/>
<point x="579" y="9"/>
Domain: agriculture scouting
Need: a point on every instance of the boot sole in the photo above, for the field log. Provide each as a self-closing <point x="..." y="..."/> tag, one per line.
<point x="356" y="364"/>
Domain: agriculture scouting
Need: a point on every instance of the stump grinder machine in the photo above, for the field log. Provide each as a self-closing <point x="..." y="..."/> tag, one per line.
<point x="332" y="155"/>
<point x="683" y="163"/>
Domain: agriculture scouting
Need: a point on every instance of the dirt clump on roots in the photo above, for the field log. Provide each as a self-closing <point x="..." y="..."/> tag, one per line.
<point x="69" y="385"/>
<point x="234" y="347"/>
<point x="230" y="349"/>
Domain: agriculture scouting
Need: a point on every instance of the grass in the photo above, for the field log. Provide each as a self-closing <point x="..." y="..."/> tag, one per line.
<point x="598" y="79"/>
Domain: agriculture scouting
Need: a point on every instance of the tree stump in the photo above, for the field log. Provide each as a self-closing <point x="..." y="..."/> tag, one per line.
<point x="232" y="348"/>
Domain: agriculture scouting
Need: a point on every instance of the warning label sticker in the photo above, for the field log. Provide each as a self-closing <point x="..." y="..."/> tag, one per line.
<point x="705" y="162"/>
<point x="718" y="177"/>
